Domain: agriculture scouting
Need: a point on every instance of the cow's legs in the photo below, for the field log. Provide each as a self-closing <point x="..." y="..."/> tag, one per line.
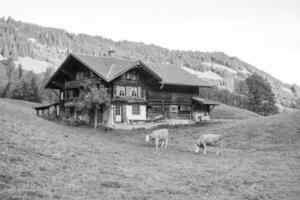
<point x="196" y="148"/>
<point x="156" y="143"/>
<point x="166" y="143"/>
<point x="218" y="150"/>
<point x="162" y="144"/>
<point x="204" y="148"/>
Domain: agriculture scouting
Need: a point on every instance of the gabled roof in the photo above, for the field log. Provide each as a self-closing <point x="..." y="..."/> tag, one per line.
<point x="105" y="67"/>
<point x="109" y="68"/>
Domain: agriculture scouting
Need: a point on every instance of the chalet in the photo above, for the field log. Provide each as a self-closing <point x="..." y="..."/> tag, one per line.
<point x="139" y="91"/>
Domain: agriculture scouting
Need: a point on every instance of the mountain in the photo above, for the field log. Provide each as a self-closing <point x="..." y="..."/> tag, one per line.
<point x="36" y="48"/>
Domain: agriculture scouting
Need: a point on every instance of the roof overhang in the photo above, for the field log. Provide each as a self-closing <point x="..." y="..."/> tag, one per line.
<point x="205" y="101"/>
<point x="64" y="63"/>
<point x="135" y="64"/>
<point x="189" y="85"/>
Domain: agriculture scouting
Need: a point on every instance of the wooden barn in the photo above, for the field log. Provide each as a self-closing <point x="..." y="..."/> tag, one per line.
<point x="139" y="91"/>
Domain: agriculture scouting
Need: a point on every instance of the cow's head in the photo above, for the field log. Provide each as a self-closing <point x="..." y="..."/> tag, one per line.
<point x="196" y="148"/>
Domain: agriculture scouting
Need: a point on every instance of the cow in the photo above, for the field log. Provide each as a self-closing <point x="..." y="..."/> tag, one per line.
<point x="159" y="135"/>
<point x="208" y="140"/>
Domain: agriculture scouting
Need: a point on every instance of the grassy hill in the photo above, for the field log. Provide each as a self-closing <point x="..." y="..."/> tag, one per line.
<point x="230" y="112"/>
<point x="43" y="160"/>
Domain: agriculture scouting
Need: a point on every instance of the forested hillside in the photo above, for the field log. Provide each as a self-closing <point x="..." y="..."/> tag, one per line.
<point x="36" y="48"/>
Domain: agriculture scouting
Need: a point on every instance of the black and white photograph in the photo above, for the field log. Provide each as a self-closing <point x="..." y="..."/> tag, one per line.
<point x="150" y="100"/>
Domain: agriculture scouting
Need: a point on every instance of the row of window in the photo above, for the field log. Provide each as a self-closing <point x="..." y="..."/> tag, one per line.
<point x="132" y="75"/>
<point x="80" y="75"/>
<point x="135" y="110"/>
<point x="72" y="93"/>
<point x="129" y="91"/>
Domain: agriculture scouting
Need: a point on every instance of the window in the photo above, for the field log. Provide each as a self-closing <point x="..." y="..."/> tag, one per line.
<point x="78" y="114"/>
<point x="135" y="110"/>
<point x="123" y="76"/>
<point x="69" y="94"/>
<point x="118" y="110"/>
<point x="134" y="92"/>
<point x="120" y="90"/>
<point x="142" y="92"/>
<point x="75" y="93"/>
<point x="174" y="108"/>
<point x="131" y="91"/>
<point x="133" y="76"/>
<point x="128" y="75"/>
<point x="184" y="108"/>
<point x="79" y="75"/>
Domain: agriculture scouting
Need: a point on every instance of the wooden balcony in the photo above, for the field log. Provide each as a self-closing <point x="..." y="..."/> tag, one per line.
<point x="77" y="83"/>
<point x="129" y="99"/>
<point x="73" y="84"/>
<point x="169" y="102"/>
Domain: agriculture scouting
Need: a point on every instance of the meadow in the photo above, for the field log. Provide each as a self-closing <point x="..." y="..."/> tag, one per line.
<point x="40" y="159"/>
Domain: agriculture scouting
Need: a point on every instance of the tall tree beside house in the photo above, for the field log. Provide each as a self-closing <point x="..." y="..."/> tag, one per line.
<point x="20" y="70"/>
<point x="241" y="94"/>
<point x="9" y="67"/>
<point x="34" y="91"/>
<point x="46" y="95"/>
<point x="94" y="97"/>
<point x="261" y="99"/>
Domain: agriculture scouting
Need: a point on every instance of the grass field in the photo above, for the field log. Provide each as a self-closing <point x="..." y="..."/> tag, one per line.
<point x="43" y="160"/>
<point x="223" y="111"/>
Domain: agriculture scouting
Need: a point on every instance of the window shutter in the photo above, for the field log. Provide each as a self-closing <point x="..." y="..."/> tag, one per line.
<point x="139" y="91"/>
<point x="142" y="92"/>
<point x="114" y="91"/>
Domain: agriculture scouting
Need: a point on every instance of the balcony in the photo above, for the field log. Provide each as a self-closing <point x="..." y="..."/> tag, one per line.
<point x="129" y="99"/>
<point x="73" y="84"/>
<point x="77" y="83"/>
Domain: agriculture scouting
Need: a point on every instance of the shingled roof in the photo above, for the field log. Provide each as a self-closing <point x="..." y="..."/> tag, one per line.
<point x="175" y="75"/>
<point x="109" y="68"/>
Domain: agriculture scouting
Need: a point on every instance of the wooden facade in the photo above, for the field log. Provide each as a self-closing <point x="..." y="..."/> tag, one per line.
<point x="137" y="92"/>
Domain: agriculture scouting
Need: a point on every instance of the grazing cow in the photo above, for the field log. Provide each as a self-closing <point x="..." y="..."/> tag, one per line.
<point x="208" y="140"/>
<point x="159" y="135"/>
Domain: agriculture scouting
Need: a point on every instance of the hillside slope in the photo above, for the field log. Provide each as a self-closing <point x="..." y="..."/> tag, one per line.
<point x="229" y="112"/>
<point x="37" y="47"/>
<point x="43" y="160"/>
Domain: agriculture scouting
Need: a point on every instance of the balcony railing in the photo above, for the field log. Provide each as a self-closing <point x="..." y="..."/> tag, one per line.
<point x="129" y="99"/>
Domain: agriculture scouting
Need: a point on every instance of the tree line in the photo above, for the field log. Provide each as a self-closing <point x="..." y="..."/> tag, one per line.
<point x="26" y="85"/>
<point x="254" y="94"/>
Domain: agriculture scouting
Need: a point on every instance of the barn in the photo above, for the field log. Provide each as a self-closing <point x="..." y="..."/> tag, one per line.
<point x="139" y="91"/>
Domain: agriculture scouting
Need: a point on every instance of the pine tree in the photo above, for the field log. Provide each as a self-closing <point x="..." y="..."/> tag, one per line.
<point x="5" y="51"/>
<point x="20" y="70"/>
<point x="35" y="97"/>
<point x="261" y="99"/>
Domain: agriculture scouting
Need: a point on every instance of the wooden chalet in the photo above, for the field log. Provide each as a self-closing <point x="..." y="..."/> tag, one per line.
<point x="139" y="91"/>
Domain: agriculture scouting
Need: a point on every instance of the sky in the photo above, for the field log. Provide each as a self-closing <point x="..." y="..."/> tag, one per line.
<point x="264" y="33"/>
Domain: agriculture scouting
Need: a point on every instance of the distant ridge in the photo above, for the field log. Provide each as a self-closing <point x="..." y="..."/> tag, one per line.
<point x="36" y="46"/>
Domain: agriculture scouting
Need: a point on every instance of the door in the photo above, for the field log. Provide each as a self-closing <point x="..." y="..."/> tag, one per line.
<point x="118" y="113"/>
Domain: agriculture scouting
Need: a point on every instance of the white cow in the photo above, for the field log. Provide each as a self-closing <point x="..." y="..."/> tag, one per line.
<point x="159" y="135"/>
<point x="208" y="140"/>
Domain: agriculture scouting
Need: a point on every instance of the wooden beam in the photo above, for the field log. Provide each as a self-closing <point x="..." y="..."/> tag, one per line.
<point x="55" y="93"/>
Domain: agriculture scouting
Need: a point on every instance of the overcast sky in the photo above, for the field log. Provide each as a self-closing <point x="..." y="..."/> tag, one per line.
<point x="264" y="33"/>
